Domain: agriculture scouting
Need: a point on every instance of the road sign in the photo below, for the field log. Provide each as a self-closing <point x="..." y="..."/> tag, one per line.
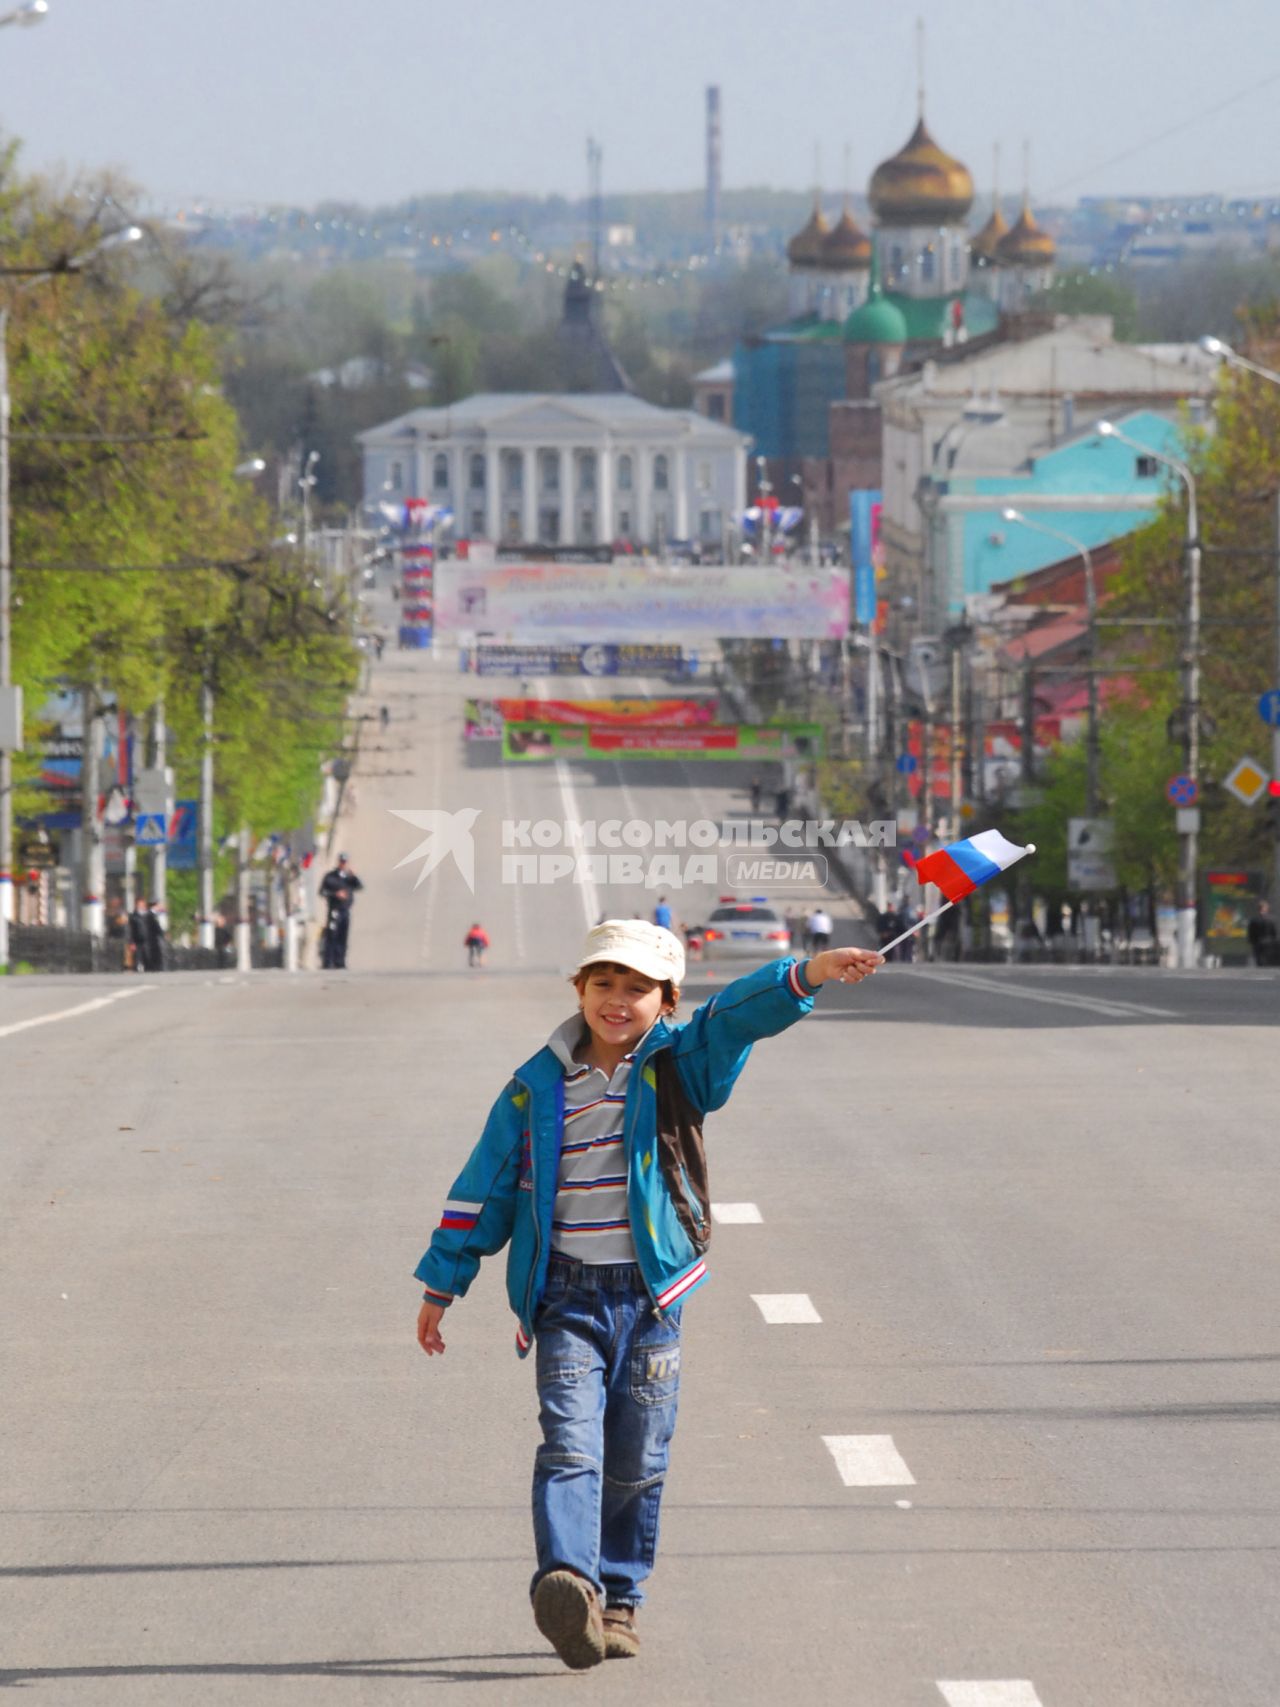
<point x="149" y="830"/>
<point x="906" y="764"/>
<point x="1269" y="708"/>
<point x="1186" y="820"/>
<point x="1089" y="867"/>
<point x="1182" y="791"/>
<point x="182" y="836"/>
<point x="1248" y="781"/>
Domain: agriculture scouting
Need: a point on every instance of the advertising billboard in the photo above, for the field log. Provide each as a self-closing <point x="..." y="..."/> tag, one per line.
<point x="568" y="602"/>
<point x="715" y="741"/>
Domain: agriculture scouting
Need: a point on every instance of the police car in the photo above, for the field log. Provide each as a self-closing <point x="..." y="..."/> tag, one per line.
<point x="745" y="930"/>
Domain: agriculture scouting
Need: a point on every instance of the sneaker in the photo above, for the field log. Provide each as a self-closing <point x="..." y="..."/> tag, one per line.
<point x="621" y="1638"/>
<point x="567" y="1611"/>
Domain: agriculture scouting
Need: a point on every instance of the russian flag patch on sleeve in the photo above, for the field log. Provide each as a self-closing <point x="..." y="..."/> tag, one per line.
<point x="460" y="1215"/>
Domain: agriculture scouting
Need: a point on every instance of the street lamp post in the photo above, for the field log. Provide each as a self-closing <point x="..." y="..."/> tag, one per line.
<point x="1216" y="347"/>
<point x="1190" y="837"/>
<point x="1091" y="617"/>
<point x="10" y="696"/>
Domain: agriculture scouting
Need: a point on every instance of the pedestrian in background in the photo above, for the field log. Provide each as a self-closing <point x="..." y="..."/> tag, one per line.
<point x="1262" y="936"/>
<point x="662" y="913"/>
<point x="757" y="793"/>
<point x="819" y="929"/>
<point x="338" y="889"/>
<point x="476" y="941"/>
<point x="138" y="934"/>
<point x="155" y="938"/>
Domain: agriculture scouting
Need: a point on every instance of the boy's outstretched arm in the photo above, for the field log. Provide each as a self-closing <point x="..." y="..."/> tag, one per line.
<point x="429" y="1327"/>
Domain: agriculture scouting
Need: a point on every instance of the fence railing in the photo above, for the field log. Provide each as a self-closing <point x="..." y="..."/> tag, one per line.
<point x="52" y="948"/>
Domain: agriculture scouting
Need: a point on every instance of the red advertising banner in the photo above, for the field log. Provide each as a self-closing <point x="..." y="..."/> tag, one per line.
<point x="611" y="713"/>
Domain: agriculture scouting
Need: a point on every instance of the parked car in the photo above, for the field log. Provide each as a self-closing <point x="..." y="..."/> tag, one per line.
<point x="745" y="930"/>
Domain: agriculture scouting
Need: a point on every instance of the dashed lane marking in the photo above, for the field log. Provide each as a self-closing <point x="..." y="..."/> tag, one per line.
<point x="1059" y="998"/>
<point x="868" y="1461"/>
<point x="70" y="1013"/>
<point x="999" y="1692"/>
<point x="781" y="1307"/>
<point x="728" y="1214"/>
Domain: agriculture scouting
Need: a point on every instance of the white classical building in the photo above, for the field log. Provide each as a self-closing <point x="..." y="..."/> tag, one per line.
<point x="564" y="469"/>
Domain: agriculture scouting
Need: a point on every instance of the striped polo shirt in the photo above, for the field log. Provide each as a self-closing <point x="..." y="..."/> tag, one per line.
<point x="589" y="1222"/>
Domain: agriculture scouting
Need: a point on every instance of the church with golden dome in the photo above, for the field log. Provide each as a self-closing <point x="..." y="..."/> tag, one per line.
<point x="865" y="305"/>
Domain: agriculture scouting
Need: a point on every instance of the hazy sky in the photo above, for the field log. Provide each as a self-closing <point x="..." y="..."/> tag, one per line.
<point x="258" y="101"/>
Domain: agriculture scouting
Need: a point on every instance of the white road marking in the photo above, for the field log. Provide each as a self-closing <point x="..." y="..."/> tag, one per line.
<point x="786" y="1306"/>
<point x="868" y="1461"/>
<point x="1000" y="1692"/>
<point x="515" y="887"/>
<point x="1092" y="1004"/>
<point x="587" y="891"/>
<point x="70" y="1013"/>
<point x="729" y="1213"/>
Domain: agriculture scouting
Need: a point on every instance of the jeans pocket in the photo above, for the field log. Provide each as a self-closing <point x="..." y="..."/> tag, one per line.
<point x="655" y="1371"/>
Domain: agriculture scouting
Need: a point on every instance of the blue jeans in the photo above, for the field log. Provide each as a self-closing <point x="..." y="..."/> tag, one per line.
<point x="608" y="1379"/>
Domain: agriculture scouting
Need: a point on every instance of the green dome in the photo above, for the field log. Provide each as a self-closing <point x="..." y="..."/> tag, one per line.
<point x="877" y="321"/>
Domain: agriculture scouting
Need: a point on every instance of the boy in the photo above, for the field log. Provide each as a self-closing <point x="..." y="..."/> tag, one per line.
<point x="592" y="1165"/>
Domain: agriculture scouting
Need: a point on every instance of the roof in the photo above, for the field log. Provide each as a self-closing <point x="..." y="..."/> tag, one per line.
<point x="490" y="411"/>
<point x="1079" y="355"/>
<point x="1045" y="639"/>
<point x="806" y="247"/>
<point x="876" y="321"/>
<point x="720" y="374"/>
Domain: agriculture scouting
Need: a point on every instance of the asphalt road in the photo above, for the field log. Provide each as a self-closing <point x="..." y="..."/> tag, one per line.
<point x="1026" y="1452"/>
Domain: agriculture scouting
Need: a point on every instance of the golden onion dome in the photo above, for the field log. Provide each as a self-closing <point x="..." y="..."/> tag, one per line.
<point x="921" y="185"/>
<point x="847" y="246"/>
<point x="985" y="245"/>
<point x="1028" y="244"/>
<point x="807" y="247"/>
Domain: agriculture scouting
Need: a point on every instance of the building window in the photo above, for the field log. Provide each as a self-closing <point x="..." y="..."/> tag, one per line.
<point x="624" y="474"/>
<point x="928" y="265"/>
<point x="477" y="473"/>
<point x="624" y="524"/>
<point x="549" y="470"/>
<point x="587" y="528"/>
<point x="549" y="527"/>
<point x="396" y="476"/>
<point x="715" y="406"/>
<point x="513" y="470"/>
<point x="512" y="529"/>
<point x="1146" y="467"/>
<point x="477" y="524"/>
<point x="709" y="526"/>
<point x="587" y="471"/>
<point x="440" y="473"/>
<point x="661" y="475"/>
<point x="704" y="477"/>
<point x="895" y="262"/>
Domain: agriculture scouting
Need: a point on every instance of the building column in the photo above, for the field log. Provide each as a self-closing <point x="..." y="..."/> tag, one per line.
<point x="678" y="462"/>
<point x="642" y="473"/>
<point x="568" y="498"/>
<point x="492" y="479"/>
<point x="529" y="498"/>
<point x="604" y="494"/>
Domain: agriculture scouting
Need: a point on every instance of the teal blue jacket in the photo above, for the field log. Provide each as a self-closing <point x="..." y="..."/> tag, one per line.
<point x="507" y="1190"/>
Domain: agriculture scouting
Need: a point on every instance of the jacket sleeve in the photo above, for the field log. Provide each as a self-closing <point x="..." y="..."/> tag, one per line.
<point x="480" y="1210"/>
<point x="712" y="1049"/>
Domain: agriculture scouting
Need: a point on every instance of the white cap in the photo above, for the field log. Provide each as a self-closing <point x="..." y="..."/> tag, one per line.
<point x="646" y="948"/>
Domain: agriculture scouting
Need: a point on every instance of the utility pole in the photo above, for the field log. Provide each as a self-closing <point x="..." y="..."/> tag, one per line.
<point x="10" y="696"/>
<point x="92" y="902"/>
<point x="244" y="950"/>
<point x="1191" y="707"/>
<point x="956" y="742"/>
<point x="1275" y="736"/>
<point x="159" y="853"/>
<point x="205" y="829"/>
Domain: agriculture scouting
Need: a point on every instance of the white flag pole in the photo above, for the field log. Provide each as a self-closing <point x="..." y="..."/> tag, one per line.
<point x="939" y="911"/>
<point x="927" y="920"/>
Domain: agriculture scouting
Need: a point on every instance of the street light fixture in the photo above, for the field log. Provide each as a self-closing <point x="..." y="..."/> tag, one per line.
<point x="10" y="697"/>
<point x="31" y="12"/>
<point x="1186" y="939"/>
<point x="1091" y="613"/>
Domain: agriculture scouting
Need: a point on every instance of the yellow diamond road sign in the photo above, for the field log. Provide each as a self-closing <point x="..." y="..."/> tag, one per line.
<point x="1247" y="781"/>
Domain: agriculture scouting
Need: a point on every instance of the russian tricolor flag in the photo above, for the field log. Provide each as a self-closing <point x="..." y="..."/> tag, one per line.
<point x="962" y="867"/>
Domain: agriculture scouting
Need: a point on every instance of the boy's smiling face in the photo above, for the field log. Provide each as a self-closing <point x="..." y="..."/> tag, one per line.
<point x="619" y="1005"/>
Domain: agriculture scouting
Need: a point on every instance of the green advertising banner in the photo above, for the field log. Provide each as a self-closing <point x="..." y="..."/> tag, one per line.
<point x="757" y="742"/>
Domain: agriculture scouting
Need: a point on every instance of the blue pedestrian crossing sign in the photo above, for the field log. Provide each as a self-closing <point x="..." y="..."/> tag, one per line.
<point x="149" y="830"/>
<point x="1269" y="708"/>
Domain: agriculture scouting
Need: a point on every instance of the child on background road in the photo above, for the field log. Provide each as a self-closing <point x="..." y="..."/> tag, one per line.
<point x="592" y="1167"/>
